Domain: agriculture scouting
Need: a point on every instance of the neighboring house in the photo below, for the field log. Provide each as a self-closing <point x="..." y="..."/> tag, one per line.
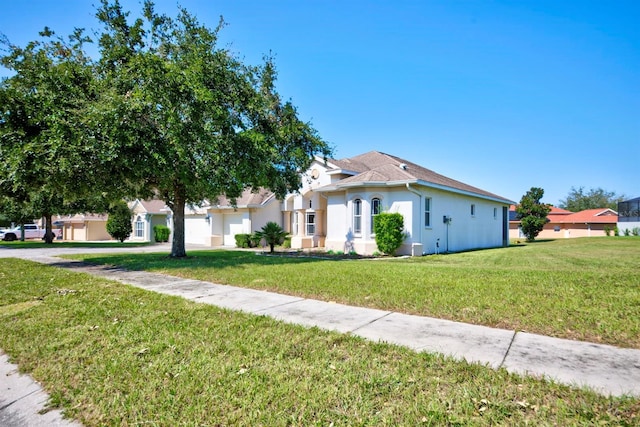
<point x="217" y="223"/>
<point x="338" y="200"/>
<point x="145" y="215"/>
<point x="628" y="215"/>
<point x="566" y="224"/>
<point x="83" y="227"/>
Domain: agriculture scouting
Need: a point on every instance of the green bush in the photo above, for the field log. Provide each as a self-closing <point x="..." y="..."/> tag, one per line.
<point x="243" y="240"/>
<point x="636" y="231"/>
<point x="161" y="233"/>
<point x="607" y="230"/>
<point x="119" y="222"/>
<point x="287" y="242"/>
<point x="389" y="230"/>
<point x="254" y="240"/>
<point x="616" y="231"/>
<point x="627" y="232"/>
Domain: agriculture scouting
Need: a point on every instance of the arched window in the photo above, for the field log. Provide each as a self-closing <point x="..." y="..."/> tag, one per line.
<point x="139" y="227"/>
<point x="357" y="216"/>
<point x="376" y="208"/>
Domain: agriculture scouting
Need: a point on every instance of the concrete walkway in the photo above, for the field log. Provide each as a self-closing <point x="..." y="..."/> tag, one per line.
<point x="606" y="369"/>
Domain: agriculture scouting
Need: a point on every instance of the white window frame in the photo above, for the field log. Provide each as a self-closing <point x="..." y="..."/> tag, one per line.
<point x="310" y="225"/>
<point x="376" y="208"/>
<point x="139" y="227"/>
<point x="294" y="223"/>
<point x="427" y="212"/>
<point x="357" y="216"/>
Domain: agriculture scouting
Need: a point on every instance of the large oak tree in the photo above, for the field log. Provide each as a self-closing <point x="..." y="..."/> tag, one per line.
<point x="44" y="168"/>
<point x="187" y="120"/>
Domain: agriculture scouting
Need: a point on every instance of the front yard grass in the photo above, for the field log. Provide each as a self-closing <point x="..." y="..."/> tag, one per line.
<point x="112" y="354"/>
<point x="585" y="289"/>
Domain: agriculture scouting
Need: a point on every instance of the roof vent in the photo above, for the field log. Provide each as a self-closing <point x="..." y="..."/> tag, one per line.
<point x="403" y="166"/>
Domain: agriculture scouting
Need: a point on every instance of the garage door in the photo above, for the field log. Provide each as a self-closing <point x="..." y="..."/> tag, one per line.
<point x="232" y="226"/>
<point x="196" y="231"/>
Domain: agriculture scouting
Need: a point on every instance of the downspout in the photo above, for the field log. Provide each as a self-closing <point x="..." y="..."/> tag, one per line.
<point x="414" y="191"/>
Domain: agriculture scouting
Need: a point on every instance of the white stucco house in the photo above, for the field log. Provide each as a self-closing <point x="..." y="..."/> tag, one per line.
<point x="339" y="199"/>
<point x="216" y="223"/>
<point x="146" y="214"/>
<point x="335" y="207"/>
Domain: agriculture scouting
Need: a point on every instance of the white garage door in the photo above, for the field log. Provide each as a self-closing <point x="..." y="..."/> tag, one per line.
<point x="232" y="226"/>
<point x="196" y="231"/>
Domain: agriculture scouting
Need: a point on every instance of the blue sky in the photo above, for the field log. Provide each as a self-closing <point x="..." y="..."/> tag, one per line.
<point x="502" y="95"/>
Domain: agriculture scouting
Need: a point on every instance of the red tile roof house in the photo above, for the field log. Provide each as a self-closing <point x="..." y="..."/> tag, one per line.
<point x="335" y="207"/>
<point x="567" y="224"/>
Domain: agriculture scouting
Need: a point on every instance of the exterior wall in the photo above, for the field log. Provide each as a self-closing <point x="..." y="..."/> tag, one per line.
<point x="626" y="225"/>
<point x="267" y="213"/>
<point x="75" y="231"/>
<point x="464" y="232"/>
<point x="197" y="229"/>
<point x="570" y="230"/>
<point x="97" y="230"/>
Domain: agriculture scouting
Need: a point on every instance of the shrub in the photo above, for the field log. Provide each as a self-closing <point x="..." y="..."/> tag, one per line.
<point x="607" y="230"/>
<point x="287" y="242"/>
<point x="119" y="222"/>
<point x="161" y="233"/>
<point x="636" y="231"/>
<point x="272" y="234"/>
<point x="616" y="231"/>
<point x="627" y="232"/>
<point x="254" y="240"/>
<point x="243" y="240"/>
<point x="388" y="228"/>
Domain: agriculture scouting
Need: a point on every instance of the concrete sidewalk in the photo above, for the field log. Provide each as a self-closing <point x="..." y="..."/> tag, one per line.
<point x="605" y="369"/>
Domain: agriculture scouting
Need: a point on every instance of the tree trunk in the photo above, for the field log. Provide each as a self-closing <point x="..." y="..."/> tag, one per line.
<point x="48" y="233"/>
<point x="177" y="243"/>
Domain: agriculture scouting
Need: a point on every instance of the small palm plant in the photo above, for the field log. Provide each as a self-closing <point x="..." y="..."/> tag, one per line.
<point x="272" y="233"/>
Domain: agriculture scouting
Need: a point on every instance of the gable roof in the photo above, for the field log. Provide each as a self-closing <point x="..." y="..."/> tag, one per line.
<point x="153" y="206"/>
<point x="380" y="169"/>
<point x="247" y="199"/>
<point x="588" y="216"/>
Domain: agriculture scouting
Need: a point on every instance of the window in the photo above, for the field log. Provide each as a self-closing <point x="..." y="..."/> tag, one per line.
<point x="139" y="227"/>
<point x="556" y="228"/>
<point x="376" y="208"/>
<point x="357" y="216"/>
<point x="311" y="223"/>
<point x="294" y="223"/>
<point x="495" y="213"/>
<point x="473" y="210"/>
<point x="427" y="211"/>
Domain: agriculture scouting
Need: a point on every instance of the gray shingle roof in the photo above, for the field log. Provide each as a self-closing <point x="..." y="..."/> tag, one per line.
<point x="376" y="168"/>
<point x="247" y="198"/>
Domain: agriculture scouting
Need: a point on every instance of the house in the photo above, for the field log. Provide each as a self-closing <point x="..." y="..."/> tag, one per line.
<point x="629" y="215"/>
<point x="216" y="223"/>
<point x="147" y="214"/>
<point x="339" y="200"/>
<point x="335" y="207"/>
<point x="566" y="224"/>
<point x="83" y="227"/>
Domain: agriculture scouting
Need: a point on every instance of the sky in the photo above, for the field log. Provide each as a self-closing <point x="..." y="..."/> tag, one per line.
<point x="501" y="95"/>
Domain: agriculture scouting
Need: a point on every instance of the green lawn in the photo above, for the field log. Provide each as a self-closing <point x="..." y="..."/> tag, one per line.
<point x="39" y="244"/>
<point x="111" y="354"/>
<point x="585" y="289"/>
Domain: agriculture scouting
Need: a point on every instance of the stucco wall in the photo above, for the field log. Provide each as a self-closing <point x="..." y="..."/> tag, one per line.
<point x="465" y="231"/>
